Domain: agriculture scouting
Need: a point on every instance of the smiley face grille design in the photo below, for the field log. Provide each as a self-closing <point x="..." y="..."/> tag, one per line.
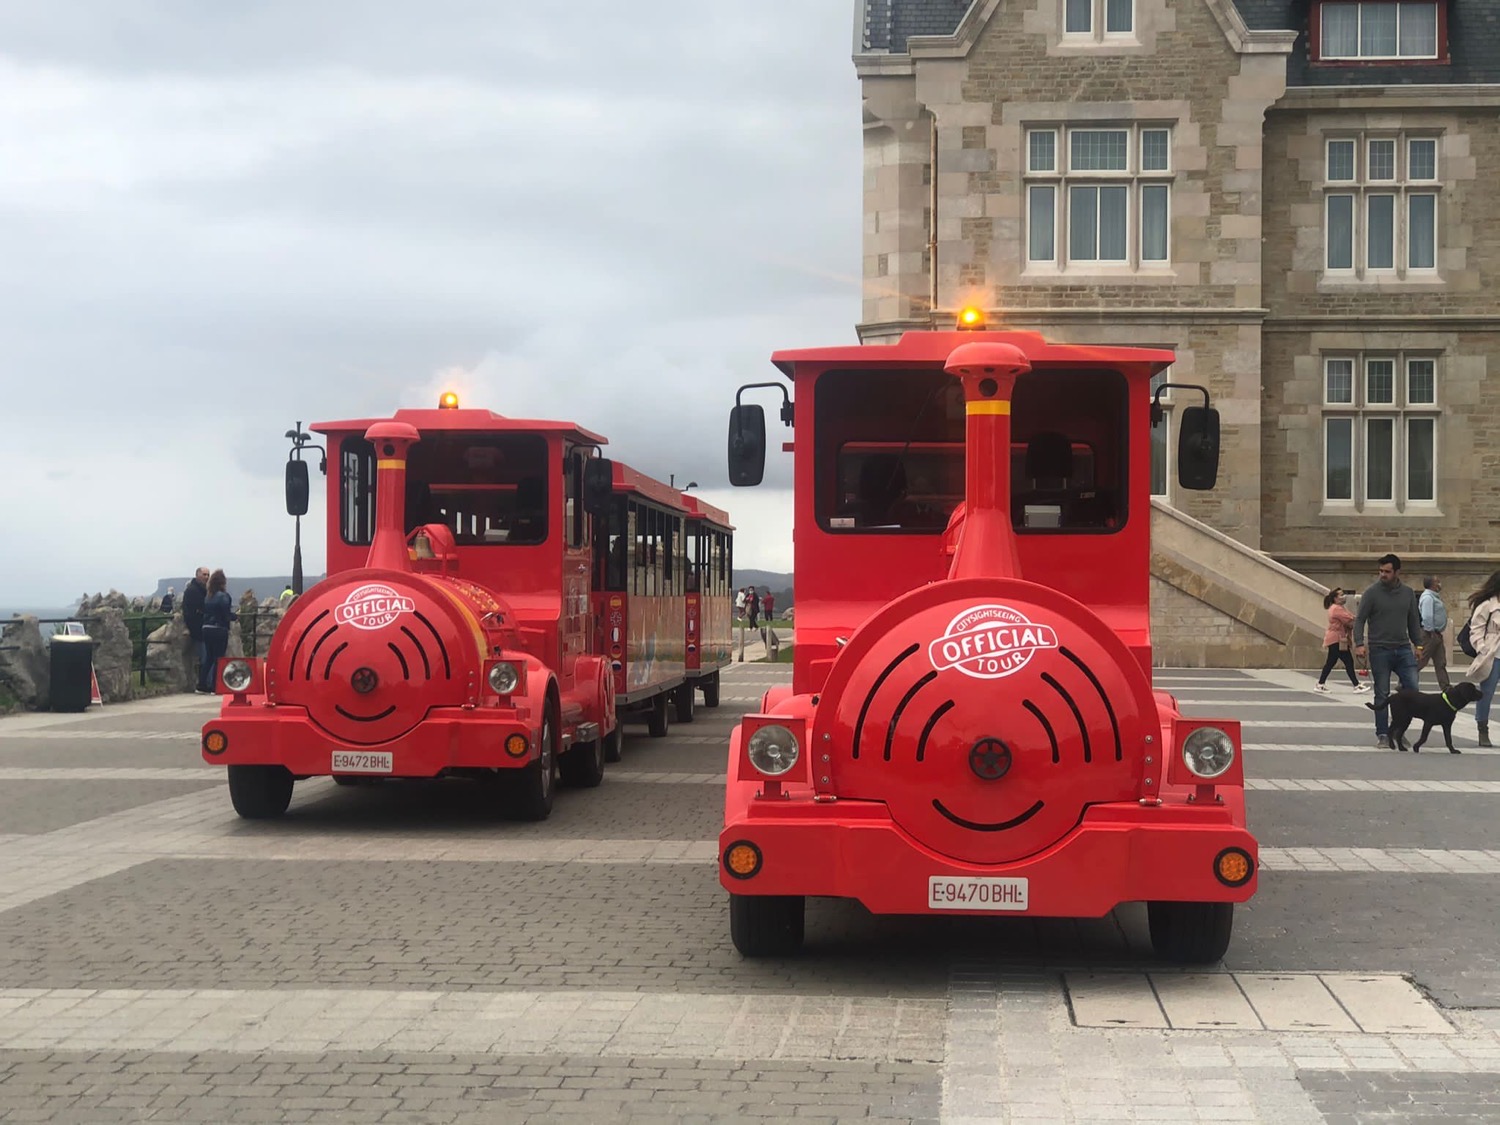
<point x="986" y="769"/>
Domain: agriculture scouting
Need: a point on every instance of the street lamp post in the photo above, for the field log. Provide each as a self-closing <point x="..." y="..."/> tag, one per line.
<point x="297" y="492"/>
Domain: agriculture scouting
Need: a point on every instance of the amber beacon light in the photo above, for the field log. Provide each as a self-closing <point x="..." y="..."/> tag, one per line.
<point x="448" y="400"/>
<point x="971" y="319"/>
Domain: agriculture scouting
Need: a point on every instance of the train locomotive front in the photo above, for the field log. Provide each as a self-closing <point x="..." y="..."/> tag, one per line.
<point x="983" y="743"/>
<point x="404" y="669"/>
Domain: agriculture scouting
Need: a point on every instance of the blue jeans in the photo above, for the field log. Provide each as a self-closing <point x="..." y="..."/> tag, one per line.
<point x="200" y="654"/>
<point x="1482" y="708"/>
<point x="1384" y="661"/>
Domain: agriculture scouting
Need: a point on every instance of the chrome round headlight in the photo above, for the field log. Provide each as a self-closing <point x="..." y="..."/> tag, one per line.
<point x="773" y="750"/>
<point x="1208" y="752"/>
<point x="237" y="675"/>
<point x="504" y="678"/>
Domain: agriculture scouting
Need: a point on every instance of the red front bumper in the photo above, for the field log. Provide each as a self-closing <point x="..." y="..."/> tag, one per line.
<point x="448" y="738"/>
<point x="1118" y="853"/>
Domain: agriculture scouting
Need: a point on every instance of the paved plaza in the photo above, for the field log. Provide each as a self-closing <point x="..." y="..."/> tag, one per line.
<point x="398" y="953"/>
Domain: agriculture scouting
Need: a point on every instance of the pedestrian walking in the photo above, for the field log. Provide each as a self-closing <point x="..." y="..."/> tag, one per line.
<point x="752" y="607"/>
<point x="1433" y="615"/>
<point x="193" y="597"/>
<point x="768" y="605"/>
<point x="1336" y="638"/>
<point x="1484" y="635"/>
<point x="218" y="612"/>
<point x="1388" y="608"/>
<point x="739" y="603"/>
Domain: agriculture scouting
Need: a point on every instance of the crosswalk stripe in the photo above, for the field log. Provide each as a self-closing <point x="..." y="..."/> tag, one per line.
<point x="1362" y="785"/>
<point x="1390" y="861"/>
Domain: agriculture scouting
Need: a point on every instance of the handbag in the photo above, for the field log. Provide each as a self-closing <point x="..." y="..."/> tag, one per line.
<point x="1466" y="640"/>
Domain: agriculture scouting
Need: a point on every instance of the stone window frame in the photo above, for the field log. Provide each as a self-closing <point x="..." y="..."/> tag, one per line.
<point x="1099" y="14"/>
<point x="1407" y="405"/>
<point x="1057" y="178"/>
<point x="1366" y="184"/>
<point x="1316" y="37"/>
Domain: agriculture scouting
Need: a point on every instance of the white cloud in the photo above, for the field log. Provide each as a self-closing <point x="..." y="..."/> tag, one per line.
<point x="221" y="220"/>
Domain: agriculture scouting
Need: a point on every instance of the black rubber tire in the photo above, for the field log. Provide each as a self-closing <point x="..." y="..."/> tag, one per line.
<point x="767" y="925"/>
<point x="614" y="743"/>
<point x="582" y="767"/>
<point x="1194" y="933"/>
<point x="533" y="787"/>
<point x="260" y="792"/>
<point x="682" y="702"/>
<point x="658" y="723"/>
<point x="711" y="691"/>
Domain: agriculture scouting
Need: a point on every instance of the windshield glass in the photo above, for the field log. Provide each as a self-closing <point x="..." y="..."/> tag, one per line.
<point x="490" y="489"/>
<point x="889" y="451"/>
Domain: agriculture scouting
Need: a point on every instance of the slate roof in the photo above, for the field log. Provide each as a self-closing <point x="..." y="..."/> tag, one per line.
<point x="1473" y="39"/>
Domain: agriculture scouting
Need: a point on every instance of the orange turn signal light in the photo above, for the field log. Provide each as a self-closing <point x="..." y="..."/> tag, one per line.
<point x="742" y="859"/>
<point x="517" y="745"/>
<point x="215" y="742"/>
<point x="1233" y="867"/>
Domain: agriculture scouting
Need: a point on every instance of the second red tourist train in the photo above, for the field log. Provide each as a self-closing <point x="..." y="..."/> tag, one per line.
<point x="499" y="599"/>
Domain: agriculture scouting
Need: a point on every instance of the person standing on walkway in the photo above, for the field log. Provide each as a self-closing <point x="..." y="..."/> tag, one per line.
<point x="193" y="596"/>
<point x="1389" y="609"/>
<point x="218" y="612"/>
<point x="1434" y="617"/>
<point x="1336" y="638"/>
<point x="1484" y="635"/>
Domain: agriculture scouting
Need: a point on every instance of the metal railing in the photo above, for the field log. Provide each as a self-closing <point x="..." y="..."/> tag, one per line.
<point x="141" y="624"/>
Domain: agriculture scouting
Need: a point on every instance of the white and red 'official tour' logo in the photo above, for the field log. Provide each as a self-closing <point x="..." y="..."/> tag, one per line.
<point x="989" y="642"/>
<point x="372" y="606"/>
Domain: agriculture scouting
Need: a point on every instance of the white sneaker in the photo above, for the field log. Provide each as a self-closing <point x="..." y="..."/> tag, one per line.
<point x="1321" y="687"/>
<point x="1360" y="687"/>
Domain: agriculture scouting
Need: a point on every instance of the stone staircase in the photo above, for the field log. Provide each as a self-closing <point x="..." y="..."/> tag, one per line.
<point x="1216" y="603"/>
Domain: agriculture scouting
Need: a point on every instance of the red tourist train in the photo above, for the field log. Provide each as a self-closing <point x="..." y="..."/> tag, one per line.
<point x="971" y="725"/>
<point x="499" y="597"/>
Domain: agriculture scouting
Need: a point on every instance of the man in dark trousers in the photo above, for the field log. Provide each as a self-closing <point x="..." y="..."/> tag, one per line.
<point x="192" y="616"/>
<point x="1389" y="609"/>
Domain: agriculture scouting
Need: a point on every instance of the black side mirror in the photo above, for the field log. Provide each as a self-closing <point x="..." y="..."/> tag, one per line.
<point x="1198" y="448"/>
<point x="747" y="445"/>
<point x="598" y="485"/>
<point x="296" y="488"/>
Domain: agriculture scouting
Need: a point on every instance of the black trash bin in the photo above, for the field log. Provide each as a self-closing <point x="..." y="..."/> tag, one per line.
<point x="72" y="672"/>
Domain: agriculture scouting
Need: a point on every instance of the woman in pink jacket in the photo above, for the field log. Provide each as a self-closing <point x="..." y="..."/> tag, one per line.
<point x="1340" y="622"/>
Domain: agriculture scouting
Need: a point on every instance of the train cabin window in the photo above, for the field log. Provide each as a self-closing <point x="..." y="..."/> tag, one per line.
<point x="356" y="491"/>
<point x="574" y="519"/>
<point x="889" y="451"/>
<point x="490" y="489"/>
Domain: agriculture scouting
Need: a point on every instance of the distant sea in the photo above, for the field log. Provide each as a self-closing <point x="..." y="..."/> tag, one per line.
<point x="53" y="612"/>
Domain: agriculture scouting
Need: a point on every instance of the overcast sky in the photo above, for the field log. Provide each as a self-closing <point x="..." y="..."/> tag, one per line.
<point x="219" y="219"/>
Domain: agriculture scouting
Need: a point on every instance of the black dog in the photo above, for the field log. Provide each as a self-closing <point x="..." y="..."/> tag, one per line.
<point x="1432" y="710"/>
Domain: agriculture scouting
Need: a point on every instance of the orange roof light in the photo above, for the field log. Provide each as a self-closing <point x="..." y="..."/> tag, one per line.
<point x="448" y="400"/>
<point x="971" y="319"/>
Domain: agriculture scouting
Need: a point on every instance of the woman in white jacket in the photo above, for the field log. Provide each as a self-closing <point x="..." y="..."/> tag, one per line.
<point x="1484" y="635"/>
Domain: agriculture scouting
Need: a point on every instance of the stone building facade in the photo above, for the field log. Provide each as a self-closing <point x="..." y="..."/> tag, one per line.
<point x="1294" y="195"/>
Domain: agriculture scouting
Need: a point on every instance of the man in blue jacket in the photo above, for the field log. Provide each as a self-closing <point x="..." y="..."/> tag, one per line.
<point x="193" y="597"/>
<point x="1389" y="608"/>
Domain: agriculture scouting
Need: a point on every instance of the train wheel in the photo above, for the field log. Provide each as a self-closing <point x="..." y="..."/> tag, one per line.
<point x="582" y="767"/>
<point x="657" y="724"/>
<point x="614" y="743"/>
<point x="1191" y="932"/>
<point x="683" y="700"/>
<point x="260" y="792"/>
<point x="766" y="925"/>
<point x="533" y="787"/>
<point x="711" y="691"/>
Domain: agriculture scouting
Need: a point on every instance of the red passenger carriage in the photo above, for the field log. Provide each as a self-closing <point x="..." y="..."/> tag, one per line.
<point x="971" y="725"/>
<point x="460" y="631"/>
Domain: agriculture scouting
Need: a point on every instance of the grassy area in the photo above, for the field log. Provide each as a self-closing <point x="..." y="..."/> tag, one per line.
<point x="783" y="656"/>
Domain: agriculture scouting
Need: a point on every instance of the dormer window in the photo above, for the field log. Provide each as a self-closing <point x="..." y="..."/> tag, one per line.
<point x="1098" y="19"/>
<point x="1390" y="31"/>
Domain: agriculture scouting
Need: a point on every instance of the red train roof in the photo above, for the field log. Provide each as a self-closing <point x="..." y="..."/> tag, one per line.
<point x="701" y="509"/>
<point x="926" y="349"/>
<point x="465" y="419"/>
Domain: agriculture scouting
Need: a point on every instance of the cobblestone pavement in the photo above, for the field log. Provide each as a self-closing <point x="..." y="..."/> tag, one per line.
<point x="399" y="954"/>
